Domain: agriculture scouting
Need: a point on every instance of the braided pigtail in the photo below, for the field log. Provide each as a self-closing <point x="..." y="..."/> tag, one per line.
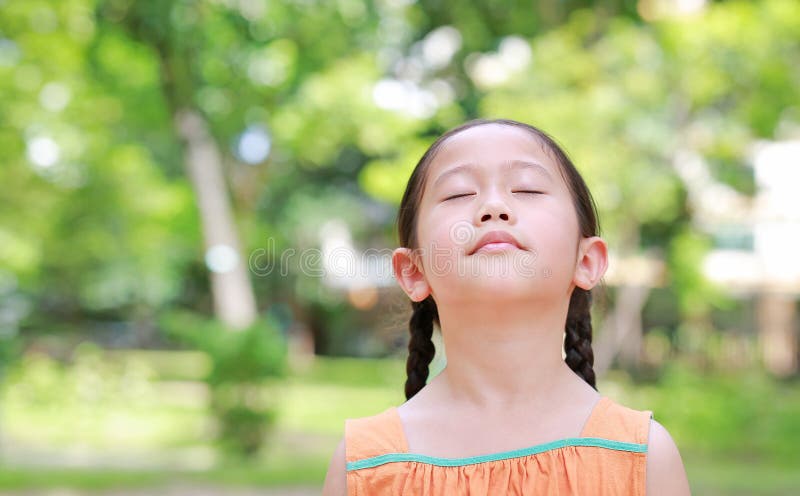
<point x="578" y="339"/>
<point x="420" y="346"/>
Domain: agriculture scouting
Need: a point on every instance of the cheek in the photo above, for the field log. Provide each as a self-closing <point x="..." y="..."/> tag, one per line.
<point x="442" y="229"/>
<point x="440" y="247"/>
<point x="437" y="244"/>
<point x="558" y="243"/>
<point x="551" y="233"/>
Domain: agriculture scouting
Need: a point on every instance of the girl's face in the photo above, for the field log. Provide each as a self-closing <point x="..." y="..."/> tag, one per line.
<point x="497" y="181"/>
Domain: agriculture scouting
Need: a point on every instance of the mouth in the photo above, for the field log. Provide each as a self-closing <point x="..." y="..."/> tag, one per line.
<point x="496" y="241"/>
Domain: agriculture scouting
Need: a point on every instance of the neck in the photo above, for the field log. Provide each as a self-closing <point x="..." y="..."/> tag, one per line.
<point x="499" y="357"/>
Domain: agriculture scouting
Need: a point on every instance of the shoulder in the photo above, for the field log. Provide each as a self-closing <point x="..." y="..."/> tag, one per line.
<point x="375" y="435"/>
<point x="665" y="472"/>
<point x="336" y="479"/>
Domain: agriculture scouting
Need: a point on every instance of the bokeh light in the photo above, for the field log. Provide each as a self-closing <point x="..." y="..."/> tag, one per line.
<point x="254" y="145"/>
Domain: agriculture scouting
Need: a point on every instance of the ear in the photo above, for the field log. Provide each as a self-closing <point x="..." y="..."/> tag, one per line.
<point x="592" y="262"/>
<point x="408" y="272"/>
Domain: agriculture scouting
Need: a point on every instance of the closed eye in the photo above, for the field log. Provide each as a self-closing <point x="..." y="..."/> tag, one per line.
<point x="528" y="191"/>
<point x="460" y="195"/>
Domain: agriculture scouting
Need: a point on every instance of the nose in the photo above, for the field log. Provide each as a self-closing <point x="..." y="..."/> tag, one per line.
<point x="495" y="208"/>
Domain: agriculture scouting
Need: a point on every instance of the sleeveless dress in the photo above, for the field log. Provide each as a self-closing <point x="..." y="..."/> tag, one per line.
<point x="609" y="458"/>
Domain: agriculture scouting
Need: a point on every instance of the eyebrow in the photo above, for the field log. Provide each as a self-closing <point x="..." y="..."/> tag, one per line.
<point x="512" y="164"/>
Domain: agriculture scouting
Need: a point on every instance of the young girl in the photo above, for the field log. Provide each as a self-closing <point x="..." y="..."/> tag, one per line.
<point x="500" y="249"/>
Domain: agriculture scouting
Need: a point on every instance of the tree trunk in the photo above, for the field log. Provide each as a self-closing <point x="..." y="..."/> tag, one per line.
<point x="234" y="300"/>
<point x="777" y="329"/>
<point x="621" y="330"/>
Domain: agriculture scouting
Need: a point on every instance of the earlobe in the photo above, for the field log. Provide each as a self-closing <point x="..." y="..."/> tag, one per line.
<point x="592" y="262"/>
<point x="409" y="275"/>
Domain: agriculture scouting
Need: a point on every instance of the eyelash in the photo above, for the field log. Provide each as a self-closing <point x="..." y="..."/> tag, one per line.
<point x="458" y="196"/>
<point x="461" y="195"/>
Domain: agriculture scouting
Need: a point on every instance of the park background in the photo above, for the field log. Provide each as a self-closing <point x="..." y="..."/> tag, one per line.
<point x="198" y="197"/>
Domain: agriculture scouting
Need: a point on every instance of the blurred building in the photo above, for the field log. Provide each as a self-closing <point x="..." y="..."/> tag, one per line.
<point x="757" y="256"/>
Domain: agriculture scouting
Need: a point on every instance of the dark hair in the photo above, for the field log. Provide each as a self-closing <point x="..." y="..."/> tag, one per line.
<point x="578" y="326"/>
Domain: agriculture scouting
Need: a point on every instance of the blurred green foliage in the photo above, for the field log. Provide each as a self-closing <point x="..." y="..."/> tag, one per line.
<point x="86" y="398"/>
<point x="742" y="415"/>
<point x="240" y="363"/>
<point x="256" y="352"/>
<point x="105" y="228"/>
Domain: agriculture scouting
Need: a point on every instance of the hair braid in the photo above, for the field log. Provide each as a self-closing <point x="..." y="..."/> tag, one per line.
<point x="578" y="339"/>
<point x="420" y="346"/>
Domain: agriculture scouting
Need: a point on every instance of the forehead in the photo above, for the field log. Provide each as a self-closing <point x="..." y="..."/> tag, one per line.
<point x="490" y="147"/>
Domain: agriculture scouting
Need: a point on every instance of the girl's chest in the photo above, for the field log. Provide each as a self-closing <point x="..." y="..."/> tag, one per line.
<point x="464" y="435"/>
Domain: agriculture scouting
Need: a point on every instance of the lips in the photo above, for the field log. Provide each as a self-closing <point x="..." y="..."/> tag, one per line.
<point x="496" y="237"/>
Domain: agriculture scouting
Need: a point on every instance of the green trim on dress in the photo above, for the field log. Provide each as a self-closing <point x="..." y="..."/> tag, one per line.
<point x="505" y="455"/>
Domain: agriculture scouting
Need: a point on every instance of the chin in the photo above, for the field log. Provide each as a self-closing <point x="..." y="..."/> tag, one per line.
<point x="492" y="288"/>
<point x="505" y="287"/>
<point x="501" y="265"/>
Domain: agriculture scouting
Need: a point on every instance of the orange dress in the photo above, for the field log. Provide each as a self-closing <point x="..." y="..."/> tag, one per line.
<point x="609" y="458"/>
